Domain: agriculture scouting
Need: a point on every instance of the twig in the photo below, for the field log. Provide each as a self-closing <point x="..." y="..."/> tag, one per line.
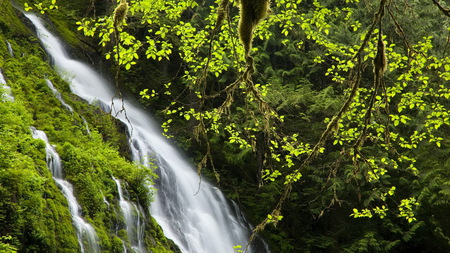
<point x="446" y="12"/>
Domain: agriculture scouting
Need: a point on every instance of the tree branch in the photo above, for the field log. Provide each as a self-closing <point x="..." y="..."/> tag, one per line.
<point x="445" y="11"/>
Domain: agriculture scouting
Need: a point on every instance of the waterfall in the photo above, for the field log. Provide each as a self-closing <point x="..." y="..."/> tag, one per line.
<point x="2" y="78"/>
<point x="10" y="50"/>
<point x="104" y="200"/>
<point x="134" y="222"/>
<point x="197" y="217"/>
<point x="87" y="238"/>
<point x="58" y="95"/>
<point x="65" y="105"/>
<point x="6" y="90"/>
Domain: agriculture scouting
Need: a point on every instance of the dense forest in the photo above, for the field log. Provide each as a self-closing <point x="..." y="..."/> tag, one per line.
<point x="325" y="120"/>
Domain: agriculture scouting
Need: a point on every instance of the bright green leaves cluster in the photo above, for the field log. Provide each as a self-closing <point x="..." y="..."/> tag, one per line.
<point x="235" y="137"/>
<point x="274" y="218"/>
<point x="405" y="209"/>
<point x="145" y="95"/>
<point x="380" y="211"/>
<point x="424" y="95"/>
<point x="42" y="7"/>
<point x="292" y="177"/>
<point x="165" y="126"/>
<point x="159" y="14"/>
<point x="156" y="15"/>
<point x="128" y="46"/>
<point x="286" y="152"/>
<point x="271" y="175"/>
<point x="237" y="249"/>
<point x="192" y="40"/>
<point x="157" y="50"/>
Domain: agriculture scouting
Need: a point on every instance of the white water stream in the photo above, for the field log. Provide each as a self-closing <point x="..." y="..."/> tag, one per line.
<point x="64" y="104"/>
<point x="6" y="95"/>
<point x="58" y="95"/>
<point x="87" y="238"/>
<point x="197" y="220"/>
<point x="134" y="221"/>
<point x="10" y="50"/>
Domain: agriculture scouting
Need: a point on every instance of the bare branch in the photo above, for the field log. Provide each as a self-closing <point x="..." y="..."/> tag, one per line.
<point x="445" y="11"/>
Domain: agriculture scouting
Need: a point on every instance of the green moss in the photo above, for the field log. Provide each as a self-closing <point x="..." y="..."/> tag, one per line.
<point x="117" y="245"/>
<point x="9" y="22"/>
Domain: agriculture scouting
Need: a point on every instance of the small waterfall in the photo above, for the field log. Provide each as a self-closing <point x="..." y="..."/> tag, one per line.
<point x="6" y="90"/>
<point x="86" y="126"/>
<point x="124" y="247"/>
<point x="10" y="50"/>
<point x="58" y="95"/>
<point x="2" y="78"/>
<point x="134" y="222"/>
<point x="65" y="105"/>
<point x="104" y="200"/>
<point x="198" y="220"/>
<point x="87" y="238"/>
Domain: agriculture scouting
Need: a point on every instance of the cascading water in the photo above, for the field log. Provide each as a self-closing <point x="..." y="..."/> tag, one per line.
<point x="65" y="105"/>
<point x="6" y="95"/>
<point x="10" y="50"/>
<point x="58" y="95"/>
<point x="2" y="78"/>
<point x="87" y="238"/>
<point x="104" y="200"/>
<point x="133" y="218"/>
<point x="199" y="219"/>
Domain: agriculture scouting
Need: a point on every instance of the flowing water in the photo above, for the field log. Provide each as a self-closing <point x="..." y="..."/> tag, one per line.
<point x="87" y="238"/>
<point x="197" y="217"/>
<point x="2" y="78"/>
<point x="10" y="50"/>
<point x="6" y="93"/>
<point x="58" y="95"/>
<point x="134" y="221"/>
<point x="64" y="104"/>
